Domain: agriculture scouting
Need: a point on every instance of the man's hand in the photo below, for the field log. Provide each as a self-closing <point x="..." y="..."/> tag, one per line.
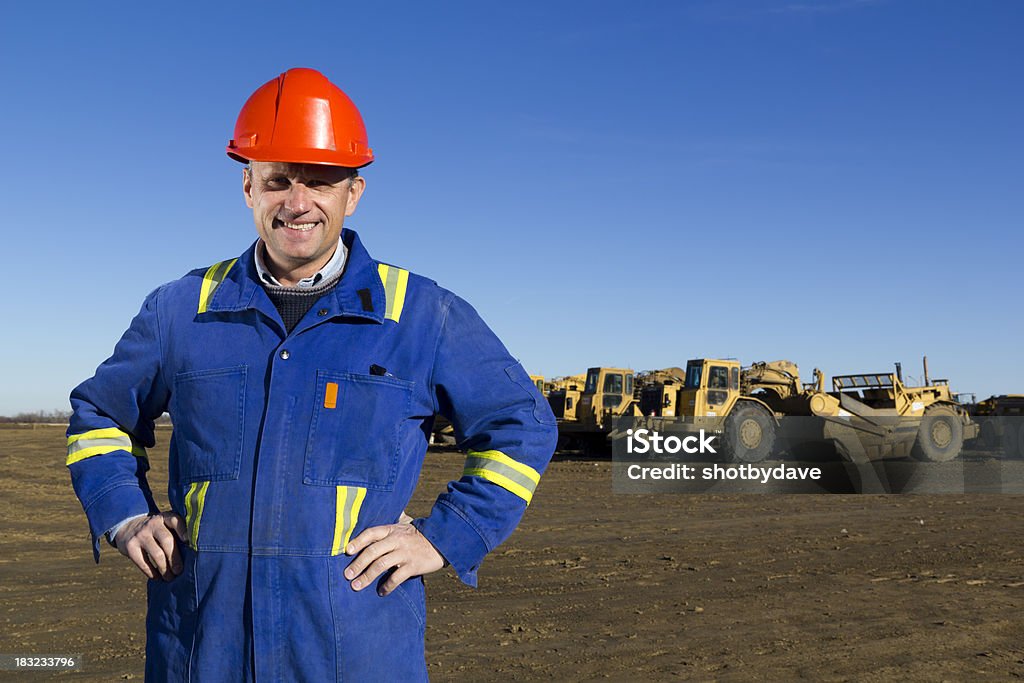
<point x="151" y="545"/>
<point x="398" y="546"/>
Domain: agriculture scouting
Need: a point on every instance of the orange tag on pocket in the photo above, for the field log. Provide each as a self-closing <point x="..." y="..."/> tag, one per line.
<point x="331" y="396"/>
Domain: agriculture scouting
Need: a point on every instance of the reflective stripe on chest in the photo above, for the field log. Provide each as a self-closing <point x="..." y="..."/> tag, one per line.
<point x="395" y="281"/>
<point x="215" y="274"/>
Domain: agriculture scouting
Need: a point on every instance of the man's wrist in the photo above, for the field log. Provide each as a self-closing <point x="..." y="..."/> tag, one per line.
<point x="113" y="531"/>
<point x="444" y="560"/>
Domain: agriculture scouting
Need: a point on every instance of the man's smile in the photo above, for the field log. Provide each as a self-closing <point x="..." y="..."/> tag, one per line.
<point x="300" y="227"/>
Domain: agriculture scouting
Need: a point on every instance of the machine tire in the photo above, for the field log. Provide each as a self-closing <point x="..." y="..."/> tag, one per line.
<point x="989" y="434"/>
<point x="1012" y="438"/>
<point x="749" y="433"/>
<point x="940" y="437"/>
<point x="596" y="446"/>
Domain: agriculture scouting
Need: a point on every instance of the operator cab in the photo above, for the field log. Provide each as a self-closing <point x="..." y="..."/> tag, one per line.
<point x="712" y="386"/>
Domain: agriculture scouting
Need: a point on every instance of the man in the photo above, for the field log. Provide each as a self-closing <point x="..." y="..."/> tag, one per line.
<point x="301" y="378"/>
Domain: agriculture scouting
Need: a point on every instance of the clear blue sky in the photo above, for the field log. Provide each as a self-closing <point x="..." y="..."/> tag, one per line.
<point x="838" y="183"/>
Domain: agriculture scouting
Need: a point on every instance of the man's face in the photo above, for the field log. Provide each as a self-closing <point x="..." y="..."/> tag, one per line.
<point x="299" y="210"/>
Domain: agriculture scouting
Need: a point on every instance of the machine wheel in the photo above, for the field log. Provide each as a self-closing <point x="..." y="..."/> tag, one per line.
<point x="940" y="436"/>
<point x="990" y="438"/>
<point x="749" y="433"/>
<point x="596" y="446"/>
<point x="1013" y="438"/>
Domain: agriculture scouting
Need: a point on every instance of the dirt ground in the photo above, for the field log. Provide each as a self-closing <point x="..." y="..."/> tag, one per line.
<point x="596" y="585"/>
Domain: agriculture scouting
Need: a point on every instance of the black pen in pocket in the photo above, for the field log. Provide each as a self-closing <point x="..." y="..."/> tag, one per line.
<point x="379" y="371"/>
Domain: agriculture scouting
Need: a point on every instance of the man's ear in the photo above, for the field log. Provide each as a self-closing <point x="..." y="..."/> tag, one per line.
<point x="355" y="191"/>
<point x="247" y="186"/>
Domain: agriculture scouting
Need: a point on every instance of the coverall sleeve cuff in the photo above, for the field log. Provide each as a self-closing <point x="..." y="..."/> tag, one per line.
<point x="455" y="538"/>
<point x="119" y="503"/>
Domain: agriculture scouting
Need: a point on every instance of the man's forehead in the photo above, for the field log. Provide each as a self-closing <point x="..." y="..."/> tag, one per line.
<point x="293" y="170"/>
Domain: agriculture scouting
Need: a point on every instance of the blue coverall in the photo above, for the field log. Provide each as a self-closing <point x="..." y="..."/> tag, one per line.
<point x="286" y="445"/>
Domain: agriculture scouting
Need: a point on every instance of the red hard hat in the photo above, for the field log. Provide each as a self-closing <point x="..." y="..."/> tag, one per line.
<point x="301" y="117"/>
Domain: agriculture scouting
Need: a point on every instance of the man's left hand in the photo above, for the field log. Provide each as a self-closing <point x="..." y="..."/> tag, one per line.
<point x="392" y="546"/>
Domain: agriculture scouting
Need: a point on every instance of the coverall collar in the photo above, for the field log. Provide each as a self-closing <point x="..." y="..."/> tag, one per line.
<point x="360" y="293"/>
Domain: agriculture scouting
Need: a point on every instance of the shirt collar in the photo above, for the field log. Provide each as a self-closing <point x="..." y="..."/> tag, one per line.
<point x="241" y="288"/>
<point x="331" y="268"/>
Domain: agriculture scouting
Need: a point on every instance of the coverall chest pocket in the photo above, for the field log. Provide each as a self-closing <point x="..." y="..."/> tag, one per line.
<point x="207" y="408"/>
<point x="354" y="438"/>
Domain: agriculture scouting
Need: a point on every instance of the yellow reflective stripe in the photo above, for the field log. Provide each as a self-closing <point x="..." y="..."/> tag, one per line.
<point x="497" y="456"/>
<point x="195" y="501"/>
<point x="121" y="442"/>
<point x="90" y="452"/>
<point x="382" y="270"/>
<point x="107" y="433"/>
<point x="188" y="508"/>
<point x="502" y="481"/>
<point x="339" y="515"/>
<point x="399" y="304"/>
<point x="215" y="274"/>
<point x="498" y="468"/>
<point x="100" y="442"/>
<point x="395" y="281"/>
<point x="346" y="515"/>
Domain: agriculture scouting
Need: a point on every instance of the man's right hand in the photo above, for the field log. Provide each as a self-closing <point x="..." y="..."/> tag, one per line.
<point x="152" y="544"/>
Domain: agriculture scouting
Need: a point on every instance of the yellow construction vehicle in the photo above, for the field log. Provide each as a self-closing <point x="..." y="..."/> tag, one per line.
<point x="1001" y="419"/>
<point x="710" y="397"/>
<point x="658" y="390"/>
<point x="564" y="395"/>
<point x="895" y="420"/>
<point x="607" y="393"/>
<point x="865" y="417"/>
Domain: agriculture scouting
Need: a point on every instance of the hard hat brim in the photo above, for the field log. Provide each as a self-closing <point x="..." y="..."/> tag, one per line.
<point x="303" y="156"/>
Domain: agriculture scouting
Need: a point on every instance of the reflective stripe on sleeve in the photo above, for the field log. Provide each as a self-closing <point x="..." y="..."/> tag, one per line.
<point x="215" y="274"/>
<point x="349" y="500"/>
<point x="395" y="281"/>
<point x="100" y="441"/>
<point x="498" y="468"/>
<point x="195" y="501"/>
